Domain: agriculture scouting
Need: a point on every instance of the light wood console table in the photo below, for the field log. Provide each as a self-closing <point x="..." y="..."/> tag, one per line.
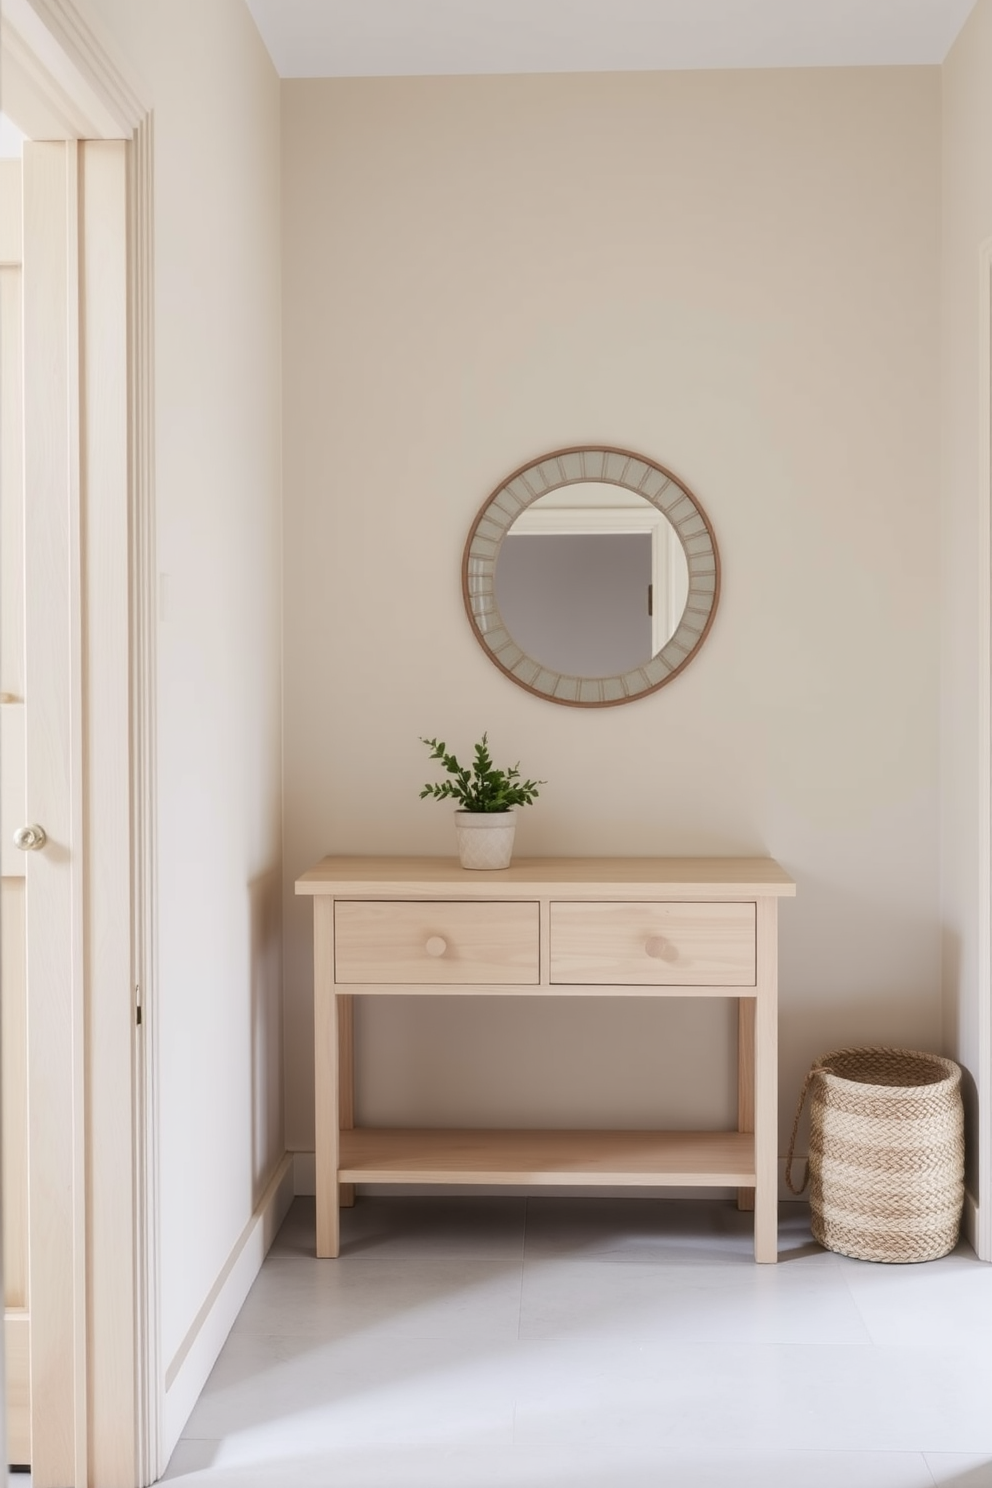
<point x="548" y="927"/>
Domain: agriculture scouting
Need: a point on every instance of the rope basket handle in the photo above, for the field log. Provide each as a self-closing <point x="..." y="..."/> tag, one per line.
<point x="816" y="1070"/>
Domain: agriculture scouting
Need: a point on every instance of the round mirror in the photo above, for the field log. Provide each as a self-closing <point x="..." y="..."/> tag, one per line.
<point x="591" y="577"/>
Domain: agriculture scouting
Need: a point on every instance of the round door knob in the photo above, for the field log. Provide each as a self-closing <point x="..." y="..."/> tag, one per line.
<point x="655" y="946"/>
<point x="29" y="839"/>
<point x="436" y="945"/>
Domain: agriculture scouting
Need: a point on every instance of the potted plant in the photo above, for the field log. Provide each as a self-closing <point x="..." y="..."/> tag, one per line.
<point x="484" y="820"/>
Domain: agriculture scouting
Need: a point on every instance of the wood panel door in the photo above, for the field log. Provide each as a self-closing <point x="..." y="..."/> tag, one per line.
<point x="13" y="987"/>
<point x="42" y="1195"/>
<point x="68" y="1018"/>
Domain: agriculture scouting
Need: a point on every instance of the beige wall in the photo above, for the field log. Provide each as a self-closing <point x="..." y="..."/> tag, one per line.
<point x="967" y="223"/>
<point x="218" y="485"/>
<point x="737" y="274"/>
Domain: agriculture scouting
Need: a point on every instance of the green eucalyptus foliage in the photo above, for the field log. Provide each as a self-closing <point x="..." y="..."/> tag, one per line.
<point x="482" y="788"/>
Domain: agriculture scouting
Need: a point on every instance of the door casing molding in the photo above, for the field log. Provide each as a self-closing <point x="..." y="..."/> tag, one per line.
<point x="60" y="79"/>
<point x="150" y="1382"/>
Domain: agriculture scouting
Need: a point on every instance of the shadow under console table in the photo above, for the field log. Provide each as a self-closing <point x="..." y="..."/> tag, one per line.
<point x="548" y="927"/>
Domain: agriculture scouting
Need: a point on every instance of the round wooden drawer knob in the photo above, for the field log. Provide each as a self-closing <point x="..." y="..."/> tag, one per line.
<point x="436" y="945"/>
<point x="657" y="946"/>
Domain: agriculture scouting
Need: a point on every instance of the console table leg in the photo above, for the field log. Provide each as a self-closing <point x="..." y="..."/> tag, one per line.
<point x="766" y="1085"/>
<point x="325" y="1019"/>
<point x="745" y="1082"/>
<point x="346" y="1075"/>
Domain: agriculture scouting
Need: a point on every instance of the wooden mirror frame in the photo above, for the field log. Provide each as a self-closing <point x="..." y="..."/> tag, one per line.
<point x="605" y="466"/>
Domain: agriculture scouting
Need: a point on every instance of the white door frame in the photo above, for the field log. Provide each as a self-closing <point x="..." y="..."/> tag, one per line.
<point x="61" y="81"/>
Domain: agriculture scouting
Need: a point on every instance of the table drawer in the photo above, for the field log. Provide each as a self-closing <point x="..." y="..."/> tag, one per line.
<point x="653" y="945"/>
<point x="436" y="942"/>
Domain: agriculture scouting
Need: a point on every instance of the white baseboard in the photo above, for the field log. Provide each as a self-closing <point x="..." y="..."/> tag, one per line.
<point x="970" y="1227"/>
<point x="187" y="1373"/>
<point x="305" y="1182"/>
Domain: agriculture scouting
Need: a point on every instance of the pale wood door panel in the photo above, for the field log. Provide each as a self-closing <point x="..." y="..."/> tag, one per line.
<point x="14" y="1092"/>
<point x="53" y="781"/>
<point x="13" y="978"/>
<point x="12" y="801"/>
<point x="17" y="1347"/>
<point x="11" y="463"/>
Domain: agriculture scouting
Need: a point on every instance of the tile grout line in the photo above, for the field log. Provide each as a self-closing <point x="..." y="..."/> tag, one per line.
<point x="520" y="1315"/>
<point x="872" y="1341"/>
<point x="523" y="1267"/>
<point x="930" y="1472"/>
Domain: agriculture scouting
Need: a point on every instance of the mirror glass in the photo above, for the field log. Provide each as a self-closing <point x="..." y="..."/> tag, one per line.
<point x="591" y="580"/>
<point x="591" y="576"/>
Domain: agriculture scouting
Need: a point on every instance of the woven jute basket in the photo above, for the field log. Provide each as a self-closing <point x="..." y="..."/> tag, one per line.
<point x="886" y="1154"/>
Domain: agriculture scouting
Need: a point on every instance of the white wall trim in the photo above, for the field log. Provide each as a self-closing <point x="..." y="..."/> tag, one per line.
<point x="187" y="1372"/>
<point x="982" y="1241"/>
<point x="970" y="1221"/>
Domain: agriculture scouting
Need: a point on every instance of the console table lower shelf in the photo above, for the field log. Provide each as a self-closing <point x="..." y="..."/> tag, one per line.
<point x="641" y="1159"/>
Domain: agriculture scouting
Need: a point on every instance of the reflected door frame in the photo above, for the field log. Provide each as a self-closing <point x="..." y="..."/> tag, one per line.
<point x="92" y="182"/>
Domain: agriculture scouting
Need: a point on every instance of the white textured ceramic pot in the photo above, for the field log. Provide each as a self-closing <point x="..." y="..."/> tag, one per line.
<point x="485" y="838"/>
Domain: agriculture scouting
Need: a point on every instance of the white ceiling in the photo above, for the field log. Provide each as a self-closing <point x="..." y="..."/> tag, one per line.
<point x="374" y="38"/>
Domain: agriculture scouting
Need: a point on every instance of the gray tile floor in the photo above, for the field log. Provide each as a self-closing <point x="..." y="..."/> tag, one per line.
<point x="593" y="1343"/>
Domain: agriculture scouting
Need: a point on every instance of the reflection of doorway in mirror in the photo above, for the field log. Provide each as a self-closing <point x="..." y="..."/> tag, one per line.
<point x="597" y="512"/>
<point x="578" y="603"/>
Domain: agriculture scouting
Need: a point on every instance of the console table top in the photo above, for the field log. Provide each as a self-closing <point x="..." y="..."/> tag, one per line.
<point x="707" y="877"/>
